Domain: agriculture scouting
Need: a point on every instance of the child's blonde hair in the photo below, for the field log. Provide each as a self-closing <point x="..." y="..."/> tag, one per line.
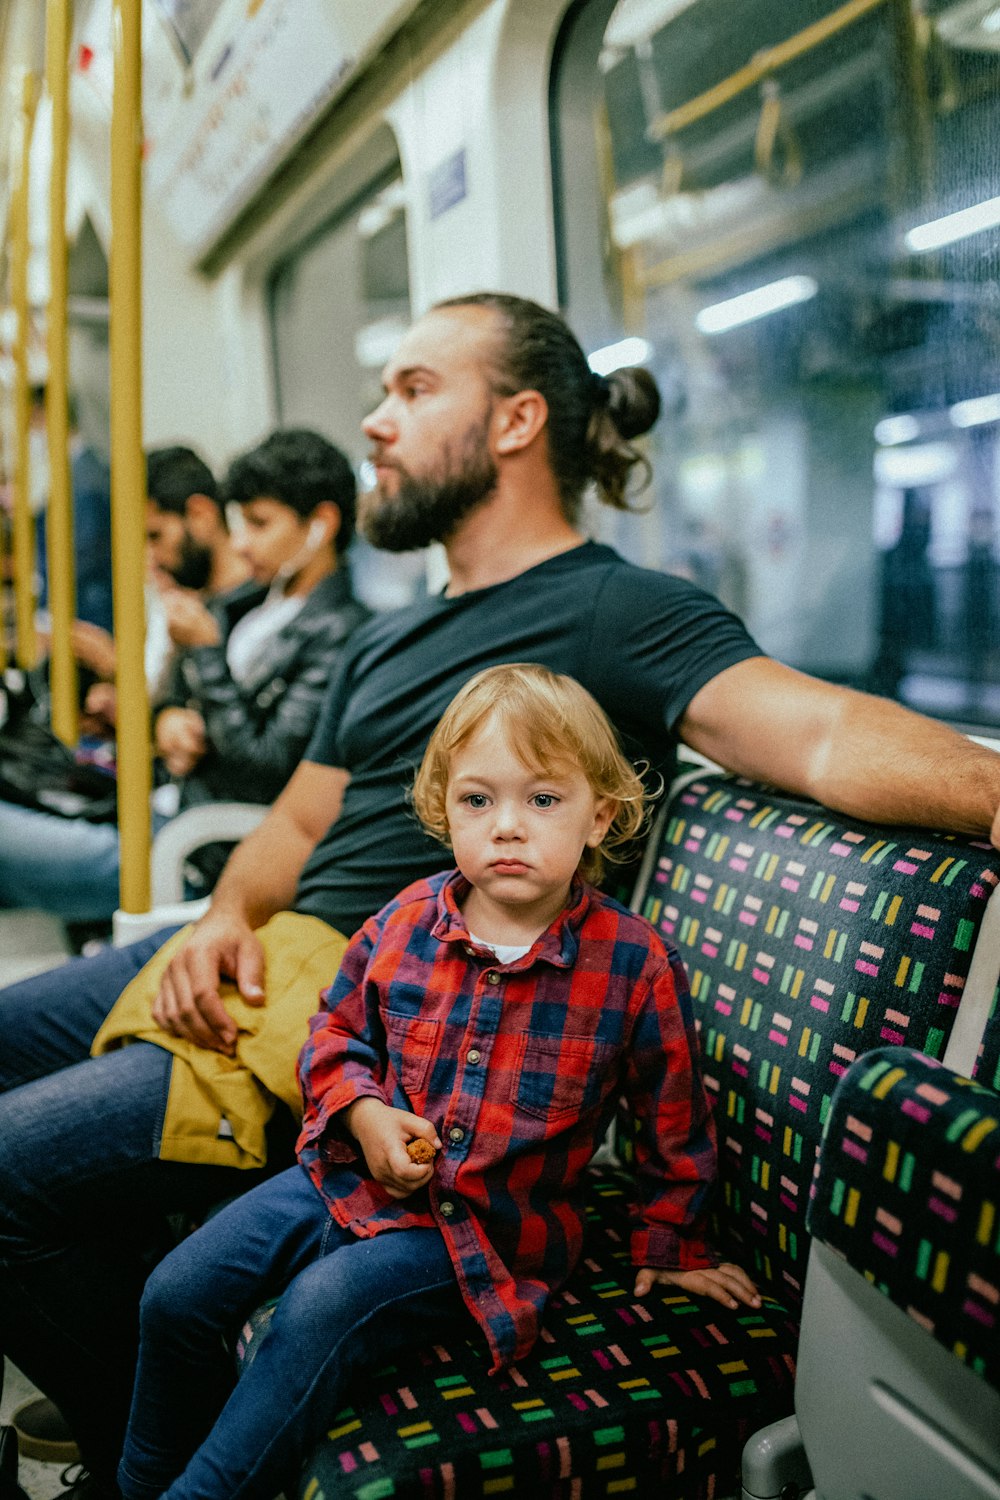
<point x="550" y="721"/>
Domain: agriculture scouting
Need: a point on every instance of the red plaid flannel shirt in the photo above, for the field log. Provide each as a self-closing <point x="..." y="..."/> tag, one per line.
<point x="520" y="1067"/>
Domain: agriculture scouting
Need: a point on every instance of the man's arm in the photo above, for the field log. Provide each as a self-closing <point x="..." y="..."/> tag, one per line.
<point x="864" y="756"/>
<point x="259" y="880"/>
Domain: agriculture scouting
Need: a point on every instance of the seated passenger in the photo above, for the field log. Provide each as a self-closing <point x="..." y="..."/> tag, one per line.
<point x="188" y="546"/>
<point x="249" y="676"/>
<point x="90" y="481"/>
<point x="246" y="686"/>
<point x="491" y="428"/>
<point x="524" y="780"/>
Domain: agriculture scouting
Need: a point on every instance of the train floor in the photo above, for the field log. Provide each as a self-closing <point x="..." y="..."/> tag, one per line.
<point x="39" y="1481"/>
<point x="30" y="942"/>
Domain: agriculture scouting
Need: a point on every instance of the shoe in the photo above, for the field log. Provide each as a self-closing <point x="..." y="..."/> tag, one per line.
<point x="9" y="1487"/>
<point x="84" y="1486"/>
<point x="42" y="1432"/>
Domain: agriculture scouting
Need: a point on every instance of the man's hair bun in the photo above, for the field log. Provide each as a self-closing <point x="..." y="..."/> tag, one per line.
<point x="634" y="401"/>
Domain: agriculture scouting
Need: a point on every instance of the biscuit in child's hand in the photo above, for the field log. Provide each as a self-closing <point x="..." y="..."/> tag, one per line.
<point x="420" y="1151"/>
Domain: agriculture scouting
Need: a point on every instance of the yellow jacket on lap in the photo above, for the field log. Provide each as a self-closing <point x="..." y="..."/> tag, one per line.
<point x="218" y="1106"/>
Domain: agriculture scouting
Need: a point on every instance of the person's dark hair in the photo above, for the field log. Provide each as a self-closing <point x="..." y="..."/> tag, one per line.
<point x="38" y="399"/>
<point x="299" y="468"/>
<point x="174" y="474"/>
<point x="592" y="418"/>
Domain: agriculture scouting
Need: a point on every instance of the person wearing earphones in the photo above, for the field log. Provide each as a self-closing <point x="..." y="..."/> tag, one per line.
<point x="245" y="691"/>
<point x="250" y="669"/>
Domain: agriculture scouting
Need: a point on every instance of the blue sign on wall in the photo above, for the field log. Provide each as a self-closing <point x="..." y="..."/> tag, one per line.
<point x="446" y="184"/>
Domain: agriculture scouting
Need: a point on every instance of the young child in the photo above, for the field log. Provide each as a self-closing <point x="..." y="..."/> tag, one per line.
<point x="489" y="1019"/>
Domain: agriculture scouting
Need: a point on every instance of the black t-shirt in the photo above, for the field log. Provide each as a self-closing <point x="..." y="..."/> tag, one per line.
<point x="642" y="642"/>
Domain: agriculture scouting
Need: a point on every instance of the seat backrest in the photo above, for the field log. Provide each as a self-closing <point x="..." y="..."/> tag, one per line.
<point x="809" y="938"/>
<point x="898" y="1387"/>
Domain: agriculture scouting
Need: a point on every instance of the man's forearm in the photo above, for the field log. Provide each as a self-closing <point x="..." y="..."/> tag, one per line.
<point x="262" y="874"/>
<point x="263" y="871"/>
<point x="864" y="756"/>
<point x="884" y="763"/>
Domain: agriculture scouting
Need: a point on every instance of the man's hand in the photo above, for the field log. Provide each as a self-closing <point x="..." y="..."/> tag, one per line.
<point x="180" y="739"/>
<point x="188" y="1003"/>
<point x="100" y="708"/>
<point x="93" y="648"/>
<point x="382" y="1134"/>
<point x="728" y="1284"/>
<point x="188" y="621"/>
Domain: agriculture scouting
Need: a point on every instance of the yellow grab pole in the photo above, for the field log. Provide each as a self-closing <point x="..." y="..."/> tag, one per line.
<point x="59" y="516"/>
<point x="128" y="477"/>
<point x="23" y="541"/>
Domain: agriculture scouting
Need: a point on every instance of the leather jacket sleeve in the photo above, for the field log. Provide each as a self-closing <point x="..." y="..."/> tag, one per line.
<point x="257" y="735"/>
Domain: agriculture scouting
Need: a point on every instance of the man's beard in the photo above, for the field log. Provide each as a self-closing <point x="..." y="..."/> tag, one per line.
<point x="194" y="566"/>
<point x="430" y="508"/>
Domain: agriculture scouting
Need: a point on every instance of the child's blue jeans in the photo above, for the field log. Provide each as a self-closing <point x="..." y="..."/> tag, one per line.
<point x="346" y="1304"/>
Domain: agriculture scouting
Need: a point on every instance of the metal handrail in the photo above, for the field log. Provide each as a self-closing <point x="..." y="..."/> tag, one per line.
<point x="59" y="514"/>
<point x="128" y="478"/>
<point x="763" y="65"/>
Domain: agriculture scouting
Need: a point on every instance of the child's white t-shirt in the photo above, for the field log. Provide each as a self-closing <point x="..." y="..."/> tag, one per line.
<point x="505" y="952"/>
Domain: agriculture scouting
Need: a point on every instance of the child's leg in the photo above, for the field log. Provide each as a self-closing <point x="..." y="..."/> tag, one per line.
<point x="352" y="1303"/>
<point x="203" y="1290"/>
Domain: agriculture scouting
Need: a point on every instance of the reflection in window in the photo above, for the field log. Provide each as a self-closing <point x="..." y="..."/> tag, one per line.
<point x="796" y="207"/>
<point x="340" y="304"/>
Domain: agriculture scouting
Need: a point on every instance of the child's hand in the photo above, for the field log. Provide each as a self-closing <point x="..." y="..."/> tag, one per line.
<point x="728" y="1284"/>
<point x="382" y="1134"/>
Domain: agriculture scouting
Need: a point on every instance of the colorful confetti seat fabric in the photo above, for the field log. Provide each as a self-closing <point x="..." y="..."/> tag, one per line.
<point x="809" y="939"/>
<point x="620" y="1397"/>
<point x="908" y="1191"/>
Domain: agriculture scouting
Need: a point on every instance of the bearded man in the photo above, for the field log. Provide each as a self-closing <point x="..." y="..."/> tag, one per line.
<point x="491" y="429"/>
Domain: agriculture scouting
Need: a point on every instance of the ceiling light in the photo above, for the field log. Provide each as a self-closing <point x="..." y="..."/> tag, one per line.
<point x="973" y="413"/>
<point x="957" y="226"/>
<point x="611" y="357"/>
<point x="893" y="430"/>
<point x="759" y="303"/>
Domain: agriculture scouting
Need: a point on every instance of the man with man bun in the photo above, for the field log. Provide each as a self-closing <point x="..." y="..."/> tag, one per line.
<point x="491" y="427"/>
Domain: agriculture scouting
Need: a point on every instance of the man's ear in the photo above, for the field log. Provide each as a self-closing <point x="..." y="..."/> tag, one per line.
<point x="518" y="420"/>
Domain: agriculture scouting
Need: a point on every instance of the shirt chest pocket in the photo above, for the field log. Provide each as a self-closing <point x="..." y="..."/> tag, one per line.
<point x="411" y="1042"/>
<point x="558" y="1077"/>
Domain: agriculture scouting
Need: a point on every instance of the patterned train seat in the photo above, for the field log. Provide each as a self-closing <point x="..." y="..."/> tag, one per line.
<point x="908" y="1192"/>
<point x="898" y="1387"/>
<point x="809" y="939"/>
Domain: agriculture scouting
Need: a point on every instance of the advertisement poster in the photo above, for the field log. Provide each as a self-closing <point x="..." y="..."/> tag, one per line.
<point x="254" y="98"/>
<point x="188" y="23"/>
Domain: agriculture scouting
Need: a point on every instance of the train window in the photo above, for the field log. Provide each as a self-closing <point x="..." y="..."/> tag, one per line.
<point x="793" y="211"/>
<point x="339" y="304"/>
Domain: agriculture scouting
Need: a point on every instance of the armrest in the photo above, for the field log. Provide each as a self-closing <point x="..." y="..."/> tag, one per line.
<point x="190" y="830"/>
<point x="908" y="1193"/>
<point x="196" y="826"/>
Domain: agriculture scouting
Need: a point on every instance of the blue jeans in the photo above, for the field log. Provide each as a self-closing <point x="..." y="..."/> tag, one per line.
<point x="84" y="1194"/>
<point x="346" y="1303"/>
<point x="66" y="866"/>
